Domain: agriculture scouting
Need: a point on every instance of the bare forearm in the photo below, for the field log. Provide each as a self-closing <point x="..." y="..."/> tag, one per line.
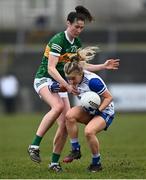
<point x="94" y="67"/>
<point x="55" y="74"/>
<point x="105" y="103"/>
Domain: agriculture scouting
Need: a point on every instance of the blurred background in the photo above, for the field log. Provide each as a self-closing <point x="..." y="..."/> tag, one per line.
<point x="119" y="30"/>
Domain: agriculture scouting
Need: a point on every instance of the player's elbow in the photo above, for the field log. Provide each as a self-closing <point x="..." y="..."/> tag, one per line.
<point x="110" y="98"/>
<point x="50" y="69"/>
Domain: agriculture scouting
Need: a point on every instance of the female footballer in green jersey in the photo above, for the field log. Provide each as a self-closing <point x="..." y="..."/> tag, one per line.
<point x="50" y="77"/>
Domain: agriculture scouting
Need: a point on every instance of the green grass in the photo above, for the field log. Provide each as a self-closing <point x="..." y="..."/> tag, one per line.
<point x="123" y="150"/>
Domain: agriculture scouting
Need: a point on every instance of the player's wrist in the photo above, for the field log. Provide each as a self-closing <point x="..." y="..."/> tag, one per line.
<point x="104" y="66"/>
<point x="97" y="112"/>
<point x="66" y="85"/>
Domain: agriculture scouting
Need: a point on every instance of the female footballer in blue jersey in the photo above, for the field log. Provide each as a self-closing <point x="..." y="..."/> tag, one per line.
<point x="86" y="81"/>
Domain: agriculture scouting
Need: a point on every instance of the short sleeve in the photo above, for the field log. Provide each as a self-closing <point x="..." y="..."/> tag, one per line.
<point x="55" y="45"/>
<point x="97" y="85"/>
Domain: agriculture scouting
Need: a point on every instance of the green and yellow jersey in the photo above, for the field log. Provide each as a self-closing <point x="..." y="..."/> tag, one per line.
<point x="60" y="46"/>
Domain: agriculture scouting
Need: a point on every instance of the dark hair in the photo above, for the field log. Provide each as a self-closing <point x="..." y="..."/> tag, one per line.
<point x="81" y="14"/>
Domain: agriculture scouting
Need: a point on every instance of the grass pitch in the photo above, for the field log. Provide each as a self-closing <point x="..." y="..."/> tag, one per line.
<point x="123" y="150"/>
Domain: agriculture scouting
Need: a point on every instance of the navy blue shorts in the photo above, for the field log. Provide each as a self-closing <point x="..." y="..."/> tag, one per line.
<point x="108" y="119"/>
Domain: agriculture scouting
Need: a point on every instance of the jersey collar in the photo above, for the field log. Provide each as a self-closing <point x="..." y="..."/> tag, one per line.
<point x="71" y="42"/>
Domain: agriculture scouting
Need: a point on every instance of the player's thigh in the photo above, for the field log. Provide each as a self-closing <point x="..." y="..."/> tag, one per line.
<point x="79" y="114"/>
<point x="95" y="125"/>
<point x="41" y="87"/>
<point x="53" y="99"/>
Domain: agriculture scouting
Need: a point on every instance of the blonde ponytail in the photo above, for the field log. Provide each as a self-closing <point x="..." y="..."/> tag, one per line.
<point x="85" y="54"/>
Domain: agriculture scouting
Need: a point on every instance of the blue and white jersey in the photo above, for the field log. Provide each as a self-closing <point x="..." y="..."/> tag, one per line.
<point x="92" y="82"/>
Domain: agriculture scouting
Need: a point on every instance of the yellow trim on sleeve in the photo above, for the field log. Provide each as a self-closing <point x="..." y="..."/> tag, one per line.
<point x="47" y="50"/>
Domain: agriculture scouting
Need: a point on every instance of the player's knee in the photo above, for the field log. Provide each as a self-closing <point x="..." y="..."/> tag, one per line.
<point x="69" y="116"/>
<point x="88" y="133"/>
<point x="58" y="108"/>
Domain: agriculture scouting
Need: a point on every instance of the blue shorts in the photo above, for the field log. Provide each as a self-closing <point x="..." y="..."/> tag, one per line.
<point x="108" y="119"/>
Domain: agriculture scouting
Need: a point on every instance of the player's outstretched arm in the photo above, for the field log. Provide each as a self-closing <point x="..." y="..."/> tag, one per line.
<point x="110" y="64"/>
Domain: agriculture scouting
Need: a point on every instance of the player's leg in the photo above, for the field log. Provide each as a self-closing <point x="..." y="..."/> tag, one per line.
<point x="74" y="115"/>
<point x="94" y="126"/>
<point x="60" y="137"/>
<point x="56" y="104"/>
